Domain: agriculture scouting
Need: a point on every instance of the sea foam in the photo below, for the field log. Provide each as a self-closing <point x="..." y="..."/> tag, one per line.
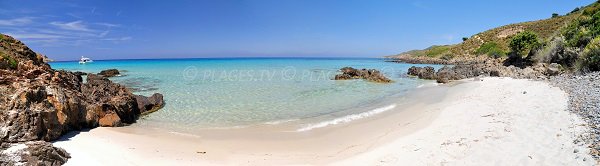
<point x="347" y="118"/>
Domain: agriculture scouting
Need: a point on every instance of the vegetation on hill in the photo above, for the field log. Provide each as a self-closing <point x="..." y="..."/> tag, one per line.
<point x="571" y="40"/>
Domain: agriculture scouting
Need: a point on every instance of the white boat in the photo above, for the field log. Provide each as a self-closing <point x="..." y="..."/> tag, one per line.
<point x="85" y="60"/>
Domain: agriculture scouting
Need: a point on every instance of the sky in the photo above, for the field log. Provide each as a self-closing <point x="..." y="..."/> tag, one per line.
<point x="146" y="29"/>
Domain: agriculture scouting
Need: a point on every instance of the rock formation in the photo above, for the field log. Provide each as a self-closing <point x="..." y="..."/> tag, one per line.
<point x="367" y="74"/>
<point x="38" y="103"/>
<point x="490" y="67"/>
<point x="109" y="73"/>
<point x="32" y="153"/>
<point x="149" y="104"/>
<point x="427" y="72"/>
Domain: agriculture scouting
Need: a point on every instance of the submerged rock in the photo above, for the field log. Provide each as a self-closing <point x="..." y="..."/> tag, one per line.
<point x="149" y="104"/>
<point x="109" y="73"/>
<point x="367" y="74"/>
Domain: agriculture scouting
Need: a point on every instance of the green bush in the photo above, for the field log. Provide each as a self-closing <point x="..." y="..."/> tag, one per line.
<point x="554" y="15"/>
<point x="591" y="9"/>
<point x="12" y="63"/>
<point x="491" y="49"/>
<point x="465" y="38"/>
<point x="581" y="31"/>
<point x="575" y="10"/>
<point x="591" y="58"/>
<point x="522" y="43"/>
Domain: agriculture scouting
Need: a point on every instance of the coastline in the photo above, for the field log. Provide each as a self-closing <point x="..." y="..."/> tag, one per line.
<point x="431" y="130"/>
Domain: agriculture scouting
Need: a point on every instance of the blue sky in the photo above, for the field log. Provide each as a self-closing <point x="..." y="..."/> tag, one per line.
<point x="106" y="29"/>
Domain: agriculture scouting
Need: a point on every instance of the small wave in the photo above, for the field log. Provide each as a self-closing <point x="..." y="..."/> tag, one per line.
<point x="347" y="118"/>
<point x="280" y="121"/>
<point x="184" y="134"/>
<point x="428" y="85"/>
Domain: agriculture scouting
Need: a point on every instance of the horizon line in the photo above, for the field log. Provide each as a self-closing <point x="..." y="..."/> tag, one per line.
<point x="257" y="57"/>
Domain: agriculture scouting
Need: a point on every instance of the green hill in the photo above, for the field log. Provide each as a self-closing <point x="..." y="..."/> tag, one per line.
<point x="571" y="33"/>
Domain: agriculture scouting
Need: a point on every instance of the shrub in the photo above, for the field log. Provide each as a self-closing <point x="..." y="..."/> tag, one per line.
<point x="591" y="56"/>
<point x="12" y="63"/>
<point x="575" y="10"/>
<point x="522" y="43"/>
<point x="591" y="9"/>
<point x="465" y="38"/>
<point x="492" y="49"/>
<point x="556" y="52"/>
<point x="554" y="15"/>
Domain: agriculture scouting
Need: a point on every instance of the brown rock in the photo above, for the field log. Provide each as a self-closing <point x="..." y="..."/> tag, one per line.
<point x="149" y="104"/>
<point x="110" y="120"/>
<point x="367" y="74"/>
<point x="109" y="73"/>
<point x="427" y="72"/>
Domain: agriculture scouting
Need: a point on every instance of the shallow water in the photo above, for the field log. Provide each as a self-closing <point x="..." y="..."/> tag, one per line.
<point x="233" y="92"/>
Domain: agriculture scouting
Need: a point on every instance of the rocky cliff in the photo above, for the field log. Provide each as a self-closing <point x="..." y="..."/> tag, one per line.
<point x="38" y="103"/>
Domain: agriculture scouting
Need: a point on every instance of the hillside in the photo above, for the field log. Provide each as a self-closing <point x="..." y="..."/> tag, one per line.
<point x="495" y="43"/>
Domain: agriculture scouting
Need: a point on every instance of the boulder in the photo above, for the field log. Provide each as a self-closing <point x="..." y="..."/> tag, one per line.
<point x="32" y="153"/>
<point x="109" y="73"/>
<point x="149" y="104"/>
<point x="445" y="74"/>
<point x="427" y="72"/>
<point x="367" y="74"/>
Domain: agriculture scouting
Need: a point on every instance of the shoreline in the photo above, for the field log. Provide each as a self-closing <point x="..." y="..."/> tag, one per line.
<point x="382" y="137"/>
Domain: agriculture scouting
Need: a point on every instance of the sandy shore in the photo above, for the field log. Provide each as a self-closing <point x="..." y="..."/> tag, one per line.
<point x="495" y="121"/>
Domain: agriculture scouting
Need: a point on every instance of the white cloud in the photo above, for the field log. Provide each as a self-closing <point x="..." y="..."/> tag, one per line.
<point x="108" y="24"/>
<point x="74" y="15"/>
<point x="119" y="39"/>
<point x="74" y="26"/>
<point x="34" y="36"/>
<point x="17" y="21"/>
<point x="103" y="34"/>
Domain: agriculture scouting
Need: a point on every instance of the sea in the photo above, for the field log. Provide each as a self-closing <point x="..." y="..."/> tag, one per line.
<point x="221" y="93"/>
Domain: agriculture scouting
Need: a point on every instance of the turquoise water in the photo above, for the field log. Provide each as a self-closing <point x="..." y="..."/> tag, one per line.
<point x="209" y="93"/>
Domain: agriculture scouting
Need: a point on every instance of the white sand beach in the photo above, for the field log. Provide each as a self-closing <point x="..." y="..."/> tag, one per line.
<point x="496" y="121"/>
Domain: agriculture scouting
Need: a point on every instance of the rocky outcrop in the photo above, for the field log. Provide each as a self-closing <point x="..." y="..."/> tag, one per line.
<point x="109" y="73"/>
<point x="39" y="103"/>
<point x="78" y="73"/>
<point x="491" y="67"/>
<point x="149" y="104"/>
<point x="427" y="72"/>
<point x="32" y="153"/>
<point x="367" y="74"/>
